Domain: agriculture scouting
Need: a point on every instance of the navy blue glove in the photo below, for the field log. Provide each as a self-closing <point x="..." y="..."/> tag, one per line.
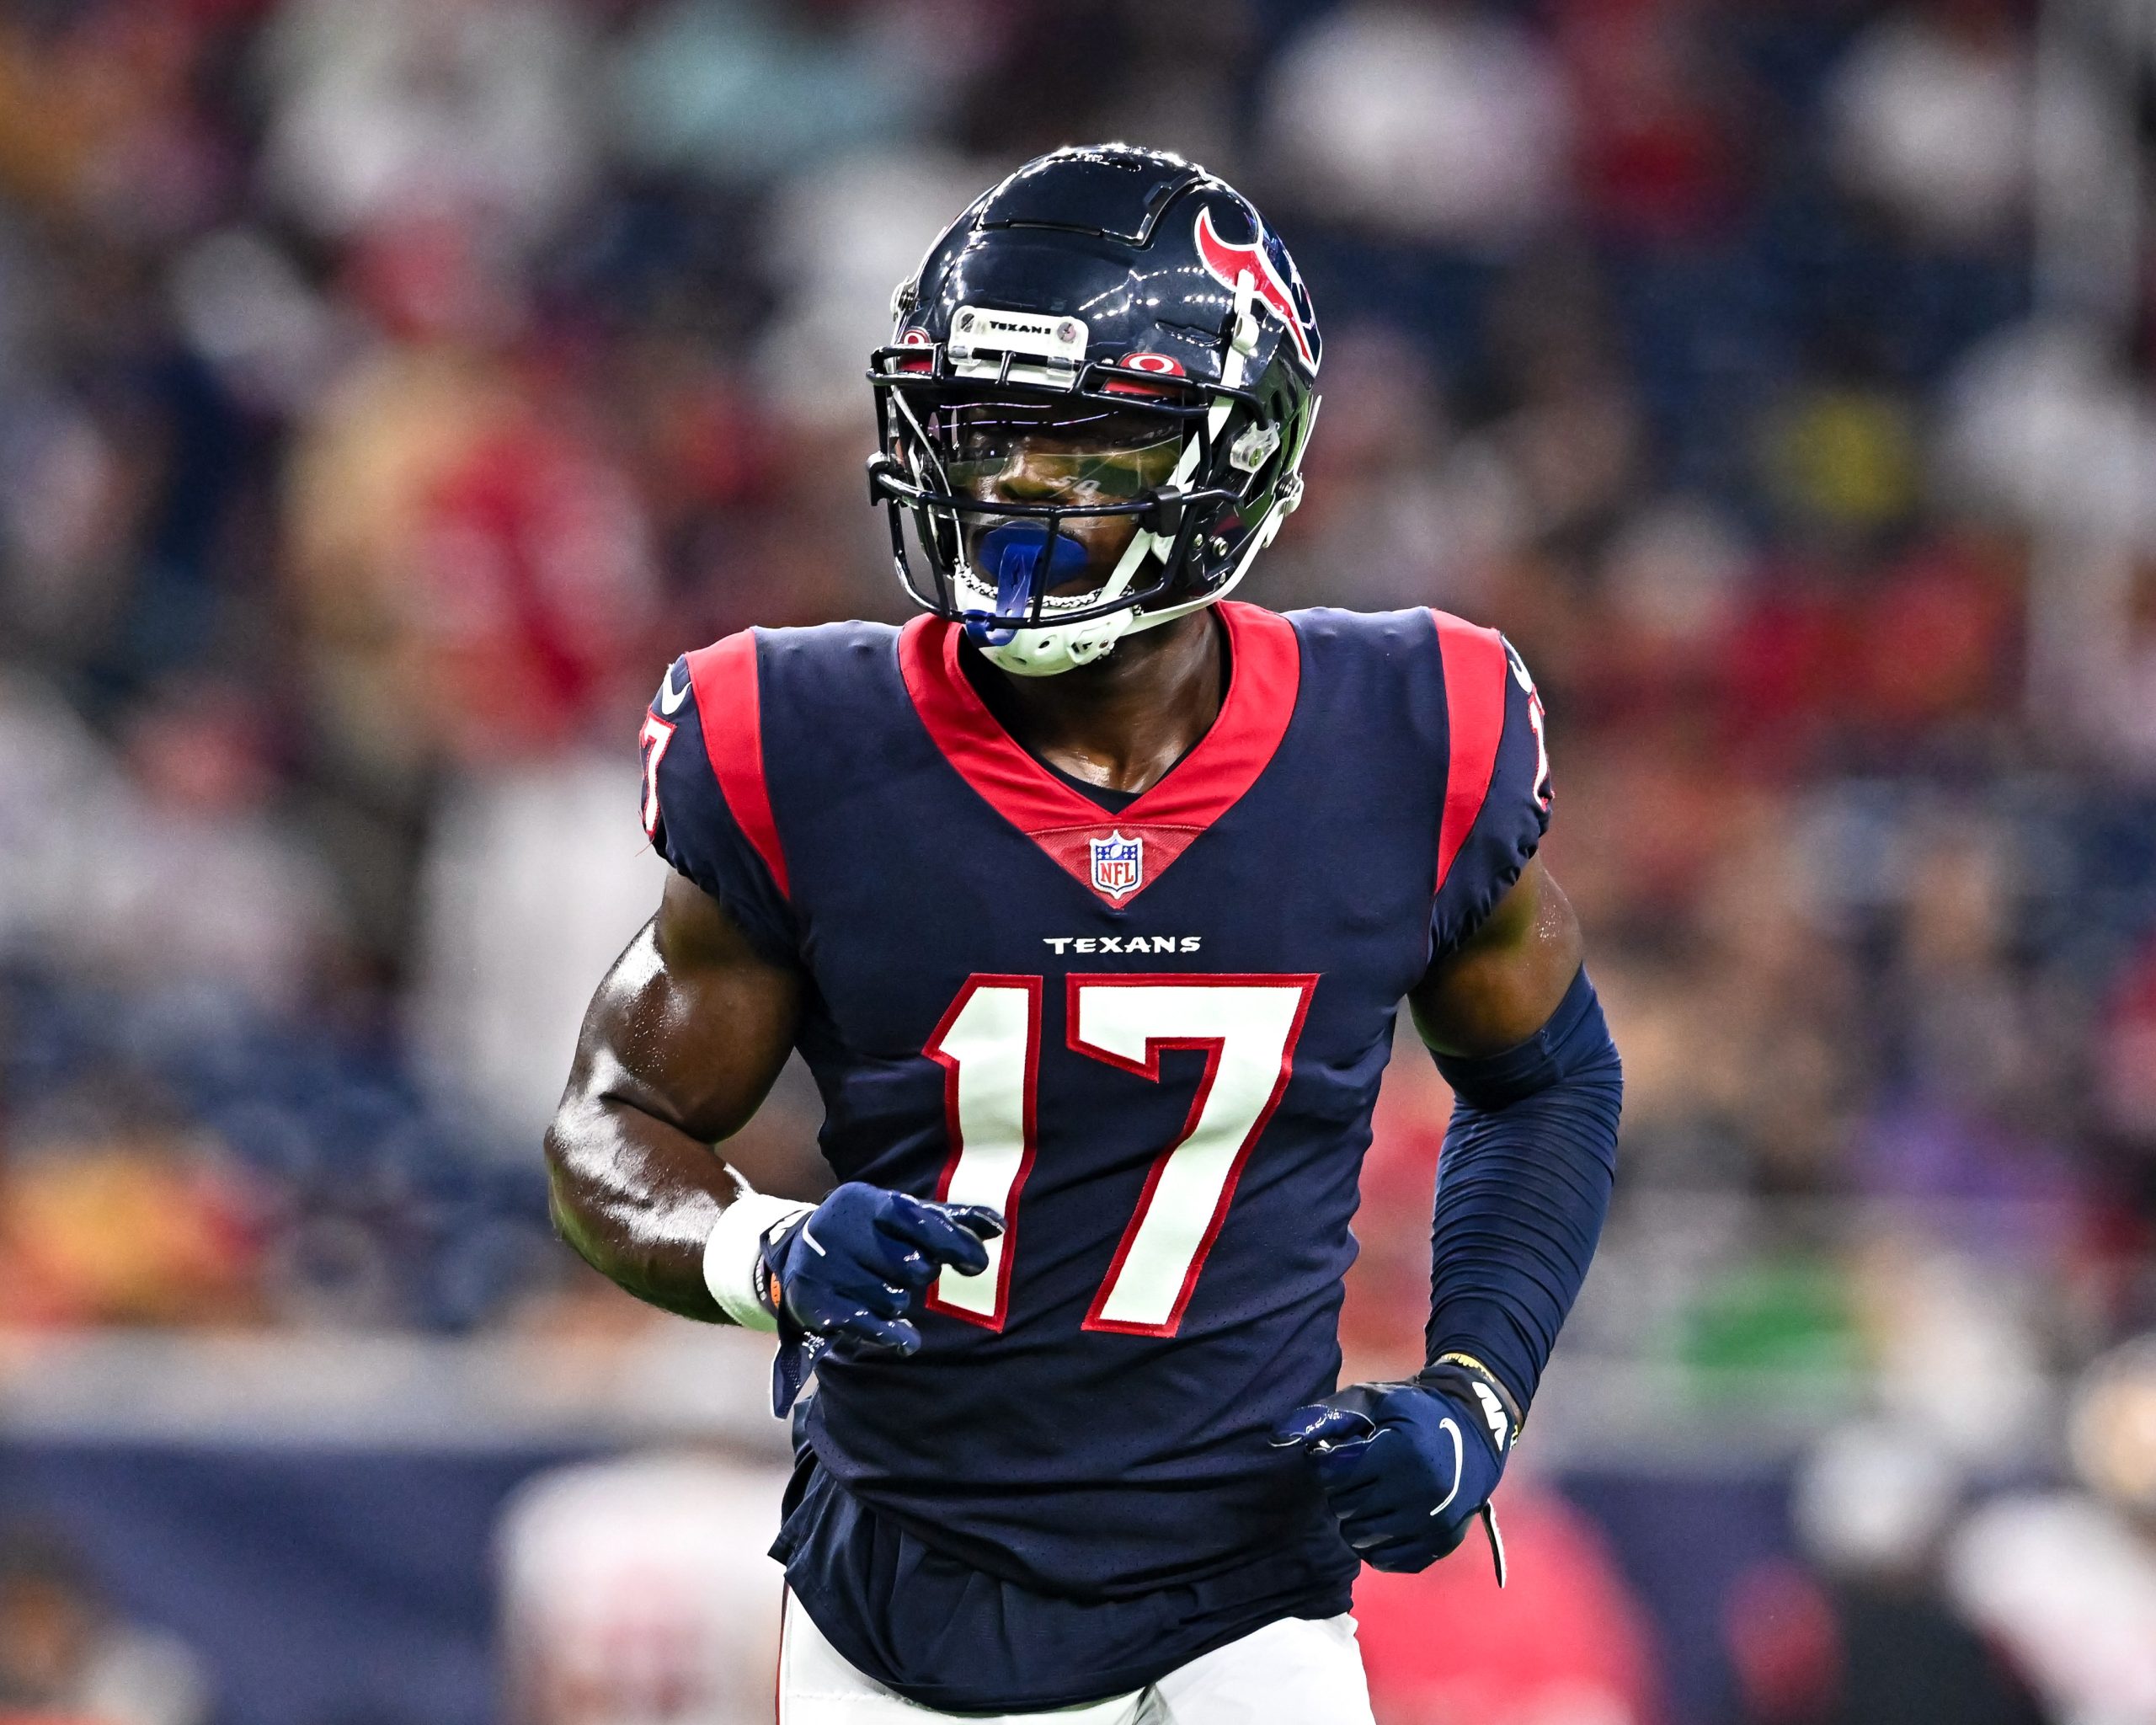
<point x="1407" y="1467"/>
<point x="853" y="1268"/>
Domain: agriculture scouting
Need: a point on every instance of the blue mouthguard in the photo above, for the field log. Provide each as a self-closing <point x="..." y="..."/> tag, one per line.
<point x="1011" y="556"/>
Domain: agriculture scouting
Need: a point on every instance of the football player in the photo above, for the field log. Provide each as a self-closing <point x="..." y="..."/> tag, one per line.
<point x="1089" y="898"/>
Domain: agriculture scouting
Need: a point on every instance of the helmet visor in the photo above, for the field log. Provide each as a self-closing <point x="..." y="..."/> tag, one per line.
<point x="1061" y="455"/>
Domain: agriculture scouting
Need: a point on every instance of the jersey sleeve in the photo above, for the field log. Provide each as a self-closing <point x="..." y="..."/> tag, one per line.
<point x="1497" y="797"/>
<point x="707" y="807"/>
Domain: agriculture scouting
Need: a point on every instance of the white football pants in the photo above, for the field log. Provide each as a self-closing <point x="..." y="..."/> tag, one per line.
<point x="1295" y="1671"/>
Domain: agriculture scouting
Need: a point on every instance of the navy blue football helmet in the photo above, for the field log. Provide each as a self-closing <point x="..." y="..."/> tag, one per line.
<point x="1134" y="312"/>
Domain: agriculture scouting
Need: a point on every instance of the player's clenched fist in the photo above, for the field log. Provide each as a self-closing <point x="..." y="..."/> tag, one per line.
<point x="856" y="1264"/>
<point x="1406" y="1467"/>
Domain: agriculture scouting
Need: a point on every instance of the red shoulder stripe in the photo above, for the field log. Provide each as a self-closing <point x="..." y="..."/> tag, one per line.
<point x="724" y="678"/>
<point x="1474" y="671"/>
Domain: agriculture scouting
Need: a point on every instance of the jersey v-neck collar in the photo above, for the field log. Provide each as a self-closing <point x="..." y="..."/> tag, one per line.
<point x="1091" y="843"/>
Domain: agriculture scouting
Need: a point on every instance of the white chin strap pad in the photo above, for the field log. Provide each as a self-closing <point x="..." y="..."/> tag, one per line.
<point x="1055" y="648"/>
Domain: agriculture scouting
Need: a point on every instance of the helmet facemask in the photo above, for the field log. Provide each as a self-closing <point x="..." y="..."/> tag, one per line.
<point x="1043" y="585"/>
<point x="1031" y="587"/>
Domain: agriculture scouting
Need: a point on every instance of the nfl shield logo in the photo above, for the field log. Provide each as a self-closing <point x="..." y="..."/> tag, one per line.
<point x="1118" y="865"/>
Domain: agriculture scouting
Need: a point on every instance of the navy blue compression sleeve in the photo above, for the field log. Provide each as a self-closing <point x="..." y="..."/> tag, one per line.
<point x="1523" y="1187"/>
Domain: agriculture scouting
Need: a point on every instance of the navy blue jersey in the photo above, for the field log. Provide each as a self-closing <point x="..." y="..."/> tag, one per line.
<point x="1151" y="1037"/>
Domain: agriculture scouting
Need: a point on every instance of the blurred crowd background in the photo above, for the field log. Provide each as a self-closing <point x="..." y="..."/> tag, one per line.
<point x="389" y="389"/>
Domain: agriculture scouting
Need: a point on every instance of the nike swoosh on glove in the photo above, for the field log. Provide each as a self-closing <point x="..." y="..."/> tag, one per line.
<point x="854" y="1265"/>
<point x="1405" y="1467"/>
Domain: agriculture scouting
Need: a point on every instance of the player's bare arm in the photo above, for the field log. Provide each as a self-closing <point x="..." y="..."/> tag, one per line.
<point x="680" y="1045"/>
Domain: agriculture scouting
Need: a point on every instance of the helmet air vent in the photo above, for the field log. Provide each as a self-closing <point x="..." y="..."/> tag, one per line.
<point x="1109" y="190"/>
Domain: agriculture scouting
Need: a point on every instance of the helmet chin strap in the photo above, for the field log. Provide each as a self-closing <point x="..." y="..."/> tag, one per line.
<point x="1055" y="648"/>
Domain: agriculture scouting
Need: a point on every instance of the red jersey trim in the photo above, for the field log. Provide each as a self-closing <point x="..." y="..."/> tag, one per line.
<point x="724" y="677"/>
<point x="1264" y="678"/>
<point x="1474" y="671"/>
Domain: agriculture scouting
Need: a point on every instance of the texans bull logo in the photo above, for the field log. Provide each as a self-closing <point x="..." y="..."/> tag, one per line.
<point x="1227" y="262"/>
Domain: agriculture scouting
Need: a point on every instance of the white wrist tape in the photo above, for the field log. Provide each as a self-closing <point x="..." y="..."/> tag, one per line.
<point x="734" y="1249"/>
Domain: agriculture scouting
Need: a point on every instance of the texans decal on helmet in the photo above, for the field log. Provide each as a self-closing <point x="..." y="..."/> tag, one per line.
<point x="1227" y="263"/>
